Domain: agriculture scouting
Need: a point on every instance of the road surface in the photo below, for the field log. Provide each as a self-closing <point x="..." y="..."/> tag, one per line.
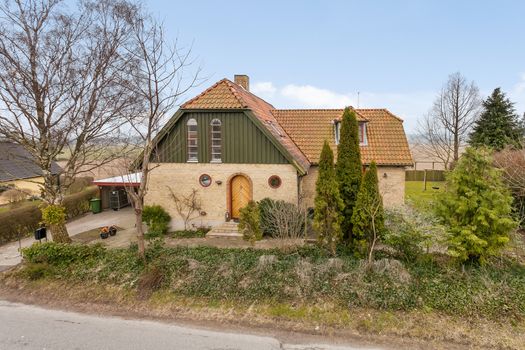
<point x="30" y="327"/>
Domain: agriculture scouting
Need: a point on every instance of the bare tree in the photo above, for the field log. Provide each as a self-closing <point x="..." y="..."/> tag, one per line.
<point x="445" y="129"/>
<point x="60" y="89"/>
<point x="188" y="206"/>
<point x="159" y="78"/>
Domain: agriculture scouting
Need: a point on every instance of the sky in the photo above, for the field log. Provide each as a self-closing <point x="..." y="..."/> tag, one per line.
<point x="320" y="54"/>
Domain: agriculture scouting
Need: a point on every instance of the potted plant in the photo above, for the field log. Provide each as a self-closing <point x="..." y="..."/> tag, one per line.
<point x="104" y="232"/>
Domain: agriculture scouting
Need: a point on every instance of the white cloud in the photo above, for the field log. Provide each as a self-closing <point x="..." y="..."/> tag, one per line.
<point x="264" y="88"/>
<point x="314" y="97"/>
<point x="408" y="106"/>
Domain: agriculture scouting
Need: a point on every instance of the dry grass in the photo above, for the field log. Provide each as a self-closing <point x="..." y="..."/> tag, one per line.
<point x="415" y="330"/>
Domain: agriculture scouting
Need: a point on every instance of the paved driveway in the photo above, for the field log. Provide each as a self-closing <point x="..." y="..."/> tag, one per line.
<point x="124" y="218"/>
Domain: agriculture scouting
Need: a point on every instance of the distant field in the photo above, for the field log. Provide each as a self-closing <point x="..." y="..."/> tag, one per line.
<point x="416" y="194"/>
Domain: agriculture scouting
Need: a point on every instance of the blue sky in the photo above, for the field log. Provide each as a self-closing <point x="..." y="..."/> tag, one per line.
<point x="319" y="54"/>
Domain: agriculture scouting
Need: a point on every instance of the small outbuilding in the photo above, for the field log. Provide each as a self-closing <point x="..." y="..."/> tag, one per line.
<point x="113" y="190"/>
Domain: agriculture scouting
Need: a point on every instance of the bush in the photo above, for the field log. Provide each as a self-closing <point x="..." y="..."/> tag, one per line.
<point x="61" y="253"/>
<point x="20" y="221"/>
<point x="35" y="271"/>
<point x="476" y="208"/>
<point x="80" y="184"/>
<point x="78" y="203"/>
<point x="156" y="218"/>
<point x="281" y="219"/>
<point x="14" y="196"/>
<point x="249" y="222"/>
<point x="408" y="233"/>
<point x="150" y="280"/>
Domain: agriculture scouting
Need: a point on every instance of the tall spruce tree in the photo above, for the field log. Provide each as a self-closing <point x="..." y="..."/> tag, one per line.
<point x="498" y="125"/>
<point x="348" y="169"/>
<point x="368" y="218"/>
<point x="328" y="202"/>
<point x="476" y="208"/>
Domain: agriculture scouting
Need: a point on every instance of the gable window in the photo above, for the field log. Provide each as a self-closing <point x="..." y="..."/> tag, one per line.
<point x="192" y="142"/>
<point x="216" y="140"/>
<point x="363" y="140"/>
<point x="337" y="131"/>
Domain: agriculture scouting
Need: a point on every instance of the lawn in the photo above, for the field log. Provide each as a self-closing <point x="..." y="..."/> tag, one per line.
<point x="416" y="194"/>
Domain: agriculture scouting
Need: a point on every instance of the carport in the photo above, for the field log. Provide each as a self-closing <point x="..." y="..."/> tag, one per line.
<point x="113" y="190"/>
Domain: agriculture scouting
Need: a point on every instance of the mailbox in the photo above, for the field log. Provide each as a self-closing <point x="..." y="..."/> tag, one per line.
<point x="40" y="233"/>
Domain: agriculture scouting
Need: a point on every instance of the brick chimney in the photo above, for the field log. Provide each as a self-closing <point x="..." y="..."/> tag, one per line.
<point x="242" y="80"/>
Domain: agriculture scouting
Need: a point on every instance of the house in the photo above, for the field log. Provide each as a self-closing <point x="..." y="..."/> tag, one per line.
<point x="18" y="169"/>
<point x="232" y="146"/>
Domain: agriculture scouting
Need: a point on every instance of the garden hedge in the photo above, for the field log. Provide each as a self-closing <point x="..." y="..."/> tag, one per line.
<point x="26" y="220"/>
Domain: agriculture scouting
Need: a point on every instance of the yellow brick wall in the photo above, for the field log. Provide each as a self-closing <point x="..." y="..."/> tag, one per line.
<point x="392" y="186"/>
<point x="181" y="178"/>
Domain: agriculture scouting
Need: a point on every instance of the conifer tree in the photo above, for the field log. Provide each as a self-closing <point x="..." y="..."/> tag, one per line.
<point x="328" y="203"/>
<point x="476" y="208"/>
<point x="348" y="169"/>
<point x="498" y="125"/>
<point x="368" y="217"/>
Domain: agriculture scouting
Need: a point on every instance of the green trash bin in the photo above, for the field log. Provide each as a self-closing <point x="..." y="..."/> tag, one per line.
<point x="95" y="205"/>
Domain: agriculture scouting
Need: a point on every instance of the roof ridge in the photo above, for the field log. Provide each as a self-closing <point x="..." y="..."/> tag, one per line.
<point x="233" y="84"/>
<point x="235" y="92"/>
<point x="308" y="109"/>
<point x="384" y="110"/>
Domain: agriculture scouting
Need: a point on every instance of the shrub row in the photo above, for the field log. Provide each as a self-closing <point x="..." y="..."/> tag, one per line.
<point x="21" y="221"/>
<point x="306" y="274"/>
<point x="25" y="220"/>
<point x="78" y="203"/>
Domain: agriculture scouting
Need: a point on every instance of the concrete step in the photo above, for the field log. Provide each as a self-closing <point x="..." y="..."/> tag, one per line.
<point x="226" y="230"/>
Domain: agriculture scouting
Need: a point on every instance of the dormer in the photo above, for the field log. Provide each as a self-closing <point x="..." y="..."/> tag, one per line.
<point x="362" y="132"/>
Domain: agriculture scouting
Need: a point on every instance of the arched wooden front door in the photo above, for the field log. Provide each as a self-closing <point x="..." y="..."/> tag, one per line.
<point x="241" y="193"/>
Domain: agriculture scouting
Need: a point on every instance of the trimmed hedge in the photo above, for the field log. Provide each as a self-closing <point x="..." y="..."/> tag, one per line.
<point x="24" y="220"/>
<point x="78" y="203"/>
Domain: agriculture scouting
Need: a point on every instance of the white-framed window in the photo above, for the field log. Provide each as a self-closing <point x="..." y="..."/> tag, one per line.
<point x="192" y="141"/>
<point x="363" y="140"/>
<point x="337" y="132"/>
<point x="216" y="140"/>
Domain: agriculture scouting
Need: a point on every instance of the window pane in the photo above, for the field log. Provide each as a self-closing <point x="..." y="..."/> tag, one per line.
<point x="192" y="142"/>
<point x="216" y="141"/>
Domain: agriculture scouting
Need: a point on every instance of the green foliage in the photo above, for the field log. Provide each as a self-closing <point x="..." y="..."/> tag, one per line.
<point x="61" y="253"/>
<point x="498" y="125"/>
<point x="305" y="275"/>
<point x="249" y="222"/>
<point x="78" y="203"/>
<point x="368" y="218"/>
<point x="53" y="214"/>
<point x="156" y="218"/>
<point x="35" y="271"/>
<point x="199" y="233"/>
<point x="409" y="233"/>
<point x="265" y="206"/>
<point x="348" y="169"/>
<point x="476" y="208"/>
<point x="20" y="221"/>
<point x="328" y="202"/>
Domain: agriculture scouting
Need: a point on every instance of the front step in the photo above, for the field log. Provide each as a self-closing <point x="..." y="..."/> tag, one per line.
<point x="226" y="230"/>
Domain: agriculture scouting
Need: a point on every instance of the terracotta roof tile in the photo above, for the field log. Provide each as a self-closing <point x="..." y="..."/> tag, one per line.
<point x="225" y="94"/>
<point x="303" y="131"/>
<point x="387" y="143"/>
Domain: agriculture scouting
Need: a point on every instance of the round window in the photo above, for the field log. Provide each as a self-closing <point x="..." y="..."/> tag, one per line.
<point x="274" y="181"/>
<point x="205" y="180"/>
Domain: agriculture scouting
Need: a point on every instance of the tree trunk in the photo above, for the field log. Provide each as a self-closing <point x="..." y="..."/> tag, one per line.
<point x="59" y="233"/>
<point x="140" y="233"/>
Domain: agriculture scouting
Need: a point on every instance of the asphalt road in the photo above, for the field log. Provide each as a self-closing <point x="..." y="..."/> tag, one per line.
<point x="29" y="327"/>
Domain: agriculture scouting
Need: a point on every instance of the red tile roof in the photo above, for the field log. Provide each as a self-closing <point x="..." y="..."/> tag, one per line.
<point x="302" y="131"/>
<point x="225" y="94"/>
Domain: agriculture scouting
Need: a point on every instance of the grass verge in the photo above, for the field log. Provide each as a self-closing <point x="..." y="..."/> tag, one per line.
<point x="302" y="288"/>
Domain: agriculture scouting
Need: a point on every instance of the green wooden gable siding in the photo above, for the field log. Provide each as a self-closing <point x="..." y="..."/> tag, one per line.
<point x="242" y="140"/>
